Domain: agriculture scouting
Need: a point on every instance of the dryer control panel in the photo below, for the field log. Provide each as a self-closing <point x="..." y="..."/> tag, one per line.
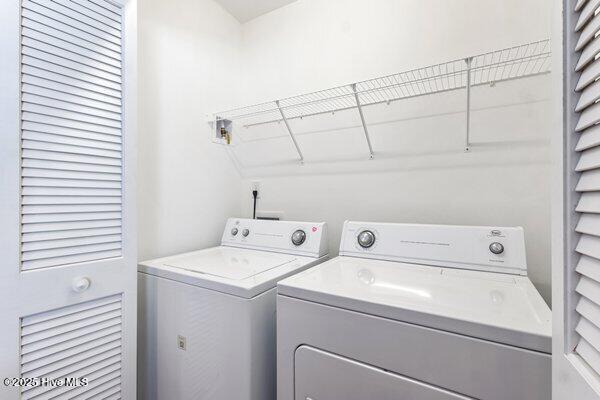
<point x="484" y="248"/>
<point x="291" y="237"/>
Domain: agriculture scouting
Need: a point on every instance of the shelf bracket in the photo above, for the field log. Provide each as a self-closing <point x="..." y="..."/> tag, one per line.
<point x="287" y="125"/>
<point x="469" y="61"/>
<point x="362" y="119"/>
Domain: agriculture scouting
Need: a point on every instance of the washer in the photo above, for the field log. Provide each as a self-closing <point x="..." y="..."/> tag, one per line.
<point x="415" y="312"/>
<point x="207" y="318"/>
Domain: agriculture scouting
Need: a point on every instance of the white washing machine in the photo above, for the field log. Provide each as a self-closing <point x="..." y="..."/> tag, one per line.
<point x="207" y="318"/>
<point x="415" y="312"/>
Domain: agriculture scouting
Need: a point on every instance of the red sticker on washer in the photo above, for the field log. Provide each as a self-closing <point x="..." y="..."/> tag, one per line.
<point x="314" y="228"/>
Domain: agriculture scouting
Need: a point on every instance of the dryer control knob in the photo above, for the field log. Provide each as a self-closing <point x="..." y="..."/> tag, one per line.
<point x="245" y="232"/>
<point x="366" y="239"/>
<point x="234" y="231"/>
<point x="497" y="248"/>
<point x="298" y="237"/>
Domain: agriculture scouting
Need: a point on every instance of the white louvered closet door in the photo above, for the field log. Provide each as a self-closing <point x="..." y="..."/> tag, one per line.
<point x="577" y="345"/>
<point x="67" y="162"/>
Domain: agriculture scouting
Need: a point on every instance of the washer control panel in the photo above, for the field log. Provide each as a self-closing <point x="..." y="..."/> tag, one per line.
<point x="494" y="249"/>
<point x="302" y="238"/>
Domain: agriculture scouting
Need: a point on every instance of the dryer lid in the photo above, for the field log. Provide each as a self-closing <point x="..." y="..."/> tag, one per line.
<point x="229" y="262"/>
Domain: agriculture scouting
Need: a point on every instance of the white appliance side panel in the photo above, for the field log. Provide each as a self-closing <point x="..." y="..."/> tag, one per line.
<point x="196" y="343"/>
<point x="276" y="236"/>
<point x="320" y="375"/>
<point x="472" y="367"/>
<point x="465" y="247"/>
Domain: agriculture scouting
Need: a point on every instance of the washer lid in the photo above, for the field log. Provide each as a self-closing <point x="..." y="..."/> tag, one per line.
<point x="497" y="307"/>
<point x="229" y="262"/>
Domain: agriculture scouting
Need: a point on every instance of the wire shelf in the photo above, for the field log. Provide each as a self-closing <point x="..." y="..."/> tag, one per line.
<point x="489" y="68"/>
<point x="517" y="62"/>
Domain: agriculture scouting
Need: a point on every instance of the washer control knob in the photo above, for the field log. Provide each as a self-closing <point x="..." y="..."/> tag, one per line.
<point x="298" y="237"/>
<point x="366" y="239"/>
<point x="245" y="232"/>
<point x="497" y="248"/>
<point x="234" y="231"/>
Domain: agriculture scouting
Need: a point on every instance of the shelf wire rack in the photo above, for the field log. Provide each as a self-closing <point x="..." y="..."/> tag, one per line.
<point x="512" y="63"/>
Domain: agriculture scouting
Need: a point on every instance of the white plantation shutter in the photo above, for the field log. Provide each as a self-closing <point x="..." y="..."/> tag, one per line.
<point x="584" y="142"/>
<point x="71" y="132"/>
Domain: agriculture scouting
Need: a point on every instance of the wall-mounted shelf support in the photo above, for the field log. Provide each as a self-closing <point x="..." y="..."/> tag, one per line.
<point x="287" y="125"/>
<point x="469" y="61"/>
<point x="362" y="119"/>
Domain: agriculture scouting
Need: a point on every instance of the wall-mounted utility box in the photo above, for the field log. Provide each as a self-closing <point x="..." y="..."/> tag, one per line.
<point x="222" y="131"/>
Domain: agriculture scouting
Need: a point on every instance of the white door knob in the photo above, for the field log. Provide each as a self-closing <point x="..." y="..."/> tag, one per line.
<point x="81" y="284"/>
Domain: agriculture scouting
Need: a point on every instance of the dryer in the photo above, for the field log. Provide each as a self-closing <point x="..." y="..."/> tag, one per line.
<point x="416" y="312"/>
<point x="207" y="318"/>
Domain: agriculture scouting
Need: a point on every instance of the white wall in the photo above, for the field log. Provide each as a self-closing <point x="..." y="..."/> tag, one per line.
<point x="420" y="173"/>
<point x="188" y="66"/>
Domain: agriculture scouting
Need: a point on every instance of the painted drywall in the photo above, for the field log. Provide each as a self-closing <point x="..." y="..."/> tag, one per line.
<point x="188" y="65"/>
<point x="420" y="173"/>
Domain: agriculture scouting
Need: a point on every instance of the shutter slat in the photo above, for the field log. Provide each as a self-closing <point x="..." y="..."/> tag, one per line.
<point x="52" y="94"/>
<point x="589" y="267"/>
<point x="68" y="217"/>
<point x="588" y="33"/>
<point x="99" y="10"/>
<point x="589" y="354"/>
<point x="69" y="107"/>
<point x="70" y="208"/>
<point x="58" y="200"/>
<point x="579" y="5"/>
<point x="78" y="16"/>
<point x="58" y="31"/>
<point x="64" y="243"/>
<point x="73" y="233"/>
<point x="589" y="138"/>
<point x="74" y="23"/>
<point x="586" y="13"/>
<point x="39" y="20"/>
<point x="589" y="311"/>
<point x="110" y="91"/>
<point x="75" y="48"/>
<point x="589" y="289"/>
<point x="589" y="96"/>
<point x="589" y="245"/>
<point x="70" y="183"/>
<point x="58" y="130"/>
<point x="70" y="157"/>
<point x="96" y="16"/>
<point x="65" y="226"/>
<point x="67" y="123"/>
<point x="70" y="140"/>
<point x="589" y="181"/>
<point x="71" y="149"/>
<point x="98" y="392"/>
<point x="84" y="175"/>
<point x="589" y="74"/>
<point x="589" y="224"/>
<point x="109" y="5"/>
<point x="35" y="49"/>
<point x="589" y="332"/>
<point x="57" y="191"/>
<point x="590" y="159"/>
<point x="95" y="123"/>
<point x="588" y="54"/>
<point x="80" y="257"/>
<point x="589" y="203"/>
<point x="590" y="116"/>
<point x="69" y="166"/>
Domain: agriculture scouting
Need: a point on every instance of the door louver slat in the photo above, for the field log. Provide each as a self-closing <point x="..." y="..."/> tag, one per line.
<point x="588" y="169"/>
<point x="81" y="340"/>
<point x="71" y="132"/>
